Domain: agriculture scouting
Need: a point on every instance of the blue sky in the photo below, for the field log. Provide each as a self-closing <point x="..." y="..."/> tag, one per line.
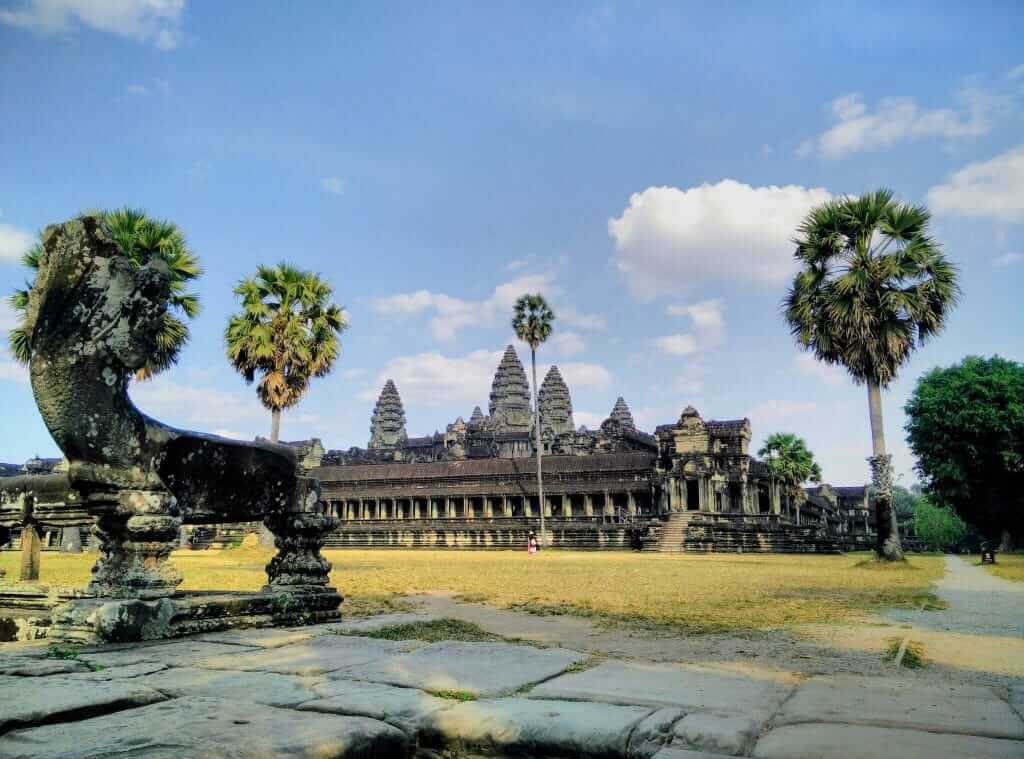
<point x="641" y="164"/>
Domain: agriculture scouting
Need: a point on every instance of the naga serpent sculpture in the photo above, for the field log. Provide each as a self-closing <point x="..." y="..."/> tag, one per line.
<point x="92" y="320"/>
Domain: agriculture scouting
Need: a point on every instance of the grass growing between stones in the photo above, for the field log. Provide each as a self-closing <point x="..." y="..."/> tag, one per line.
<point x="677" y="593"/>
<point x="1009" y="566"/>
<point x="431" y="631"/>
<point x="913" y="656"/>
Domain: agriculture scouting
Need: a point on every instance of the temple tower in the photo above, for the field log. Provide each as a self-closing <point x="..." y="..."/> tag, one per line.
<point x="510" y="396"/>
<point x="622" y="415"/>
<point x="387" y="425"/>
<point x="555" y="403"/>
<point x="477" y="419"/>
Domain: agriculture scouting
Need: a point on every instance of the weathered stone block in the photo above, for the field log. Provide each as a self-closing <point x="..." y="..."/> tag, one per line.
<point x="313" y="657"/>
<point x="265" y="688"/>
<point x="406" y="708"/>
<point x="733" y="735"/>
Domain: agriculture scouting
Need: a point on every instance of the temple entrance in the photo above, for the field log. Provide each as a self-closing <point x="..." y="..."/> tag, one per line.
<point x="764" y="500"/>
<point x="692" y="495"/>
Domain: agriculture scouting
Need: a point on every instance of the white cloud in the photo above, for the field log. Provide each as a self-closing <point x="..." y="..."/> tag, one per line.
<point x="806" y="363"/>
<point x="335" y="185"/>
<point x="895" y="119"/>
<point x="992" y="189"/>
<point x="351" y="374"/>
<point x="570" y="315"/>
<point x="517" y="264"/>
<point x="708" y="324"/>
<point x="137" y="89"/>
<point x="454" y="314"/>
<point x="776" y="411"/>
<point x="580" y="374"/>
<point x="677" y="345"/>
<point x="230" y="433"/>
<point x="566" y="343"/>
<point x="1017" y="72"/>
<point x="669" y="239"/>
<point x="155" y="21"/>
<point x="14" y="242"/>
<point x="196" y="407"/>
<point x="8" y="317"/>
<point x="431" y="379"/>
<point x="1007" y="259"/>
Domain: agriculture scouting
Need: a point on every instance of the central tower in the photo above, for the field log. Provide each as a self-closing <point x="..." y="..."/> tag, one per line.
<point x="510" y="396"/>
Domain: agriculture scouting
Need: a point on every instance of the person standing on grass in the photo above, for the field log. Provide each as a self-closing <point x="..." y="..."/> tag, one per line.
<point x="531" y="543"/>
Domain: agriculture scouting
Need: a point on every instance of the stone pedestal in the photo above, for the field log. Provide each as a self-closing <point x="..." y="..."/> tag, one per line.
<point x="298" y="575"/>
<point x="136" y="541"/>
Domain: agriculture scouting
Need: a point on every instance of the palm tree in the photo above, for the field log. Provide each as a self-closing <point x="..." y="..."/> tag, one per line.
<point x="789" y="459"/>
<point x="140" y="239"/>
<point x="873" y="286"/>
<point x="532" y="323"/>
<point x="287" y="331"/>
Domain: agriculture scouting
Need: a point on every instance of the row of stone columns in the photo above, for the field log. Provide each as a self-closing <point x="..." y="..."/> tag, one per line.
<point x="710" y="498"/>
<point x="478" y="507"/>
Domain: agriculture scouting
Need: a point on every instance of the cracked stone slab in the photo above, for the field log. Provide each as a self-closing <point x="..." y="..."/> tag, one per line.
<point x="312" y="657"/>
<point x="889" y="702"/>
<point x="59" y="699"/>
<point x="405" y="708"/>
<point x="211" y="728"/>
<point x="535" y="727"/>
<point x="267" y="688"/>
<point x="654" y="732"/>
<point x="121" y="673"/>
<point x="31" y="667"/>
<point x="689" y="687"/>
<point x="370" y="624"/>
<point x="674" y="752"/>
<point x="481" y="669"/>
<point x="823" y="741"/>
<point x="183" y="653"/>
<point x="733" y="734"/>
<point x="258" y="637"/>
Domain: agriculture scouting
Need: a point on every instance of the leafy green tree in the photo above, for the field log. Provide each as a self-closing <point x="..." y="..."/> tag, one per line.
<point x="532" y="320"/>
<point x="873" y="286"/>
<point x="789" y="459"/>
<point x="141" y="239"/>
<point x="965" y="425"/>
<point x="938" y="526"/>
<point x="287" y="333"/>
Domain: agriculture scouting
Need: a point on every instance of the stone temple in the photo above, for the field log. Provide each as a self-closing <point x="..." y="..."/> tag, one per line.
<point x="691" y="485"/>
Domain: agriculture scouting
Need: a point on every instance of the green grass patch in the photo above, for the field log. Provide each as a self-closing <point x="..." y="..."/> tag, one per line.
<point x="64" y="654"/>
<point x="913" y="657"/>
<point x="455" y="695"/>
<point x="431" y="631"/>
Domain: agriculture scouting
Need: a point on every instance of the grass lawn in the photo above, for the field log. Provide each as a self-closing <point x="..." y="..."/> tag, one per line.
<point x="697" y="593"/>
<point x="1009" y="566"/>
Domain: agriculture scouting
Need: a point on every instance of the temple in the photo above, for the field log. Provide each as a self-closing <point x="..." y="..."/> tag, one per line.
<point x="692" y="485"/>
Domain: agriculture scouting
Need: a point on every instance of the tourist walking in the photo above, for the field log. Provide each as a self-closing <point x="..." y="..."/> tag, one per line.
<point x="531" y="543"/>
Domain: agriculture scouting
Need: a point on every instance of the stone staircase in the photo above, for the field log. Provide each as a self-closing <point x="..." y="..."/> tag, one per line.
<point x="694" y="532"/>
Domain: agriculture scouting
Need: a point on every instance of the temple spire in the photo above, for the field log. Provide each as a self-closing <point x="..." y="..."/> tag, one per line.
<point x="510" y="395"/>
<point x="387" y="425"/>
<point x="555" y="403"/>
<point x="622" y="415"/>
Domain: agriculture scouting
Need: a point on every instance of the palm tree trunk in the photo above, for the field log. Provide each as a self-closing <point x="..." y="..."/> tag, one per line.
<point x="275" y="424"/>
<point x="536" y="435"/>
<point x="887" y="541"/>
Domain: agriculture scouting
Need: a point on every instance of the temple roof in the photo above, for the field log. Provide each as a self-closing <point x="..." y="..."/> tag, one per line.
<point x="510" y="394"/>
<point x="622" y="414"/>
<point x="387" y="425"/>
<point x="555" y="403"/>
<point x="599" y="462"/>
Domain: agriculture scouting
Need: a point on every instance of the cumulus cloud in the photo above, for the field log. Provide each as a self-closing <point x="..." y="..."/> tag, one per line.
<point x="588" y="419"/>
<point x="14" y="241"/>
<point x="806" y="363"/>
<point x="432" y="379"/>
<point x="566" y="343"/>
<point x="197" y="407"/>
<point x="1007" y="259"/>
<point x="149" y="21"/>
<point x="677" y="345"/>
<point x="333" y="185"/>
<point x="11" y="371"/>
<point x="991" y="189"/>
<point x="669" y="239"/>
<point x="565" y="314"/>
<point x="580" y="374"/>
<point x="895" y="119"/>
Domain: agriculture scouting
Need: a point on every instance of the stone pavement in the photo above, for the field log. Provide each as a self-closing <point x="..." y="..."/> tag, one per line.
<point x="311" y="692"/>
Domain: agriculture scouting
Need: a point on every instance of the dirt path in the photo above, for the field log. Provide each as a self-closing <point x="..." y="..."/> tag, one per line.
<point x="979" y="603"/>
<point x="979" y="638"/>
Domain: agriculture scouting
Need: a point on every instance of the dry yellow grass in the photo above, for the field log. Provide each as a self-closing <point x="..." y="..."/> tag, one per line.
<point x="697" y="593"/>
<point x="1009" y="566"/>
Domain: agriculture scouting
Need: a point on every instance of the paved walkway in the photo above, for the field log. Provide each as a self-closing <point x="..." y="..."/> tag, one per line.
<point x="979" y="603"/>
<point x="330" y="690"/>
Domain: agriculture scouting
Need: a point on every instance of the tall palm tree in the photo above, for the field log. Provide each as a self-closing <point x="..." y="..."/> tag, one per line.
<point x="287" y="332"/>
<point x="789" y="459"/>
<point x="873" y="286"/>
<point x="141" y="239"/>
<point x="532" y="323"/>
